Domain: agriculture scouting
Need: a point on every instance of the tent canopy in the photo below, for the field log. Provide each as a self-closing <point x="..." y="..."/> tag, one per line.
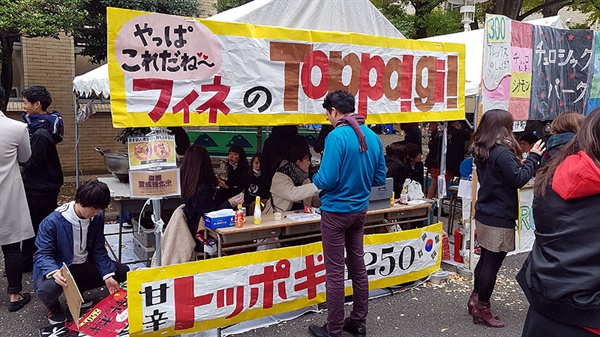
<point x="93" y="82"/>
<point x="473" y="41"/>
<point x="358" y="16"/>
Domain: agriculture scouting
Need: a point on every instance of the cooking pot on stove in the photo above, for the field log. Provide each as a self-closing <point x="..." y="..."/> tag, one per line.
<point x="116" y="163"/>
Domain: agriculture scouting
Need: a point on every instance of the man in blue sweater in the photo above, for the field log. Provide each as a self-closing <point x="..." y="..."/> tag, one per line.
<point x="353" y="162"/>
<point x="74" y="235"/>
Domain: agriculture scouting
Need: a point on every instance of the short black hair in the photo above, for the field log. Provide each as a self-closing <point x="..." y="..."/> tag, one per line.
<point x="341" y="100"/>
<point x="38" y="93"/>
<point x="2" y="95"/>
<point x="93" y="194"/>
<point x="530" y="138"/>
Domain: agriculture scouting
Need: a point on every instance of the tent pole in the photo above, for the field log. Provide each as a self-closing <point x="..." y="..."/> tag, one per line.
<point x="75" y="106"/>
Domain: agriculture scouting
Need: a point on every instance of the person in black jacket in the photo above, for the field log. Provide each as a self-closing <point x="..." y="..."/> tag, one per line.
<point x="42" y="173"/>
<point x="501" y="173"/>
<point x="199" y="187"/>
<point x="255" y="185"/>
<point x="277" y="146"/>
<point x="237" y="169"/>
<point x="562" y="130"/>
<point x="561" y="275"/>
<point x="396" y="157"/>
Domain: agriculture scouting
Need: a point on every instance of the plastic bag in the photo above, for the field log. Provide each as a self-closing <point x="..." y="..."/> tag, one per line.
<point x="415" y="191"/>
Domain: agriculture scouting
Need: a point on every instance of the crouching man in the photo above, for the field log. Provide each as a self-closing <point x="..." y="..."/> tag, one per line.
<point x="74" y="234"/>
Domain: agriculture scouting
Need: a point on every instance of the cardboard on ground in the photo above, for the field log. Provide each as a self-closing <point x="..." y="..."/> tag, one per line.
<point x="72" y="294"/>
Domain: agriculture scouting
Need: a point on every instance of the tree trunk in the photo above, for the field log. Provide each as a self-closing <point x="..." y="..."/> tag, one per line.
<point x="6" y="76"/>
<point x="552" y="9"/>
<point x="509" y="8"/>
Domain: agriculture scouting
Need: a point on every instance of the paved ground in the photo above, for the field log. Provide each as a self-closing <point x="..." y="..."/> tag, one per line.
<point x="425" y="310"/>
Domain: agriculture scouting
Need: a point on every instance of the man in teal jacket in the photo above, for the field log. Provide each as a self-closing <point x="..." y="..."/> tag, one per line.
<point x="353" y="162"/>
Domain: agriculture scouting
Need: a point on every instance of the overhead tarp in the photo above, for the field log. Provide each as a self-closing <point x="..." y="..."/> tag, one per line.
<point x="358" y="16"/>
<point x="167" y="70"/>
<point x="474" y="41"/>
<point x="94" y="82"/>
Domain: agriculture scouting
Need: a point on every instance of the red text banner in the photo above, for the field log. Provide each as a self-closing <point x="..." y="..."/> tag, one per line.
<point x="202" y="295"/>
<point x="171" y="71"/>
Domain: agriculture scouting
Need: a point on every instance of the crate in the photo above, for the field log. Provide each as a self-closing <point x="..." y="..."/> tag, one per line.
<point x="144" y="235"/>
<point x="142" y="252"/>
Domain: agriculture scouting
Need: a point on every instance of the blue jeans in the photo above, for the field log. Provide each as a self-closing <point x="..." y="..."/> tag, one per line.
<point x="341" y="231"/>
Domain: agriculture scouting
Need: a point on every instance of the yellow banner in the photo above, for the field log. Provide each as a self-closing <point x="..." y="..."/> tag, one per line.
<point x="171" y="71"/>
<point x="195" y="296"/>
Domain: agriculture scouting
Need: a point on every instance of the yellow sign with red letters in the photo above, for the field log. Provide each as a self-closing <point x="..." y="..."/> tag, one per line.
<point x="172" y="71"/>
<point x="195" y="296"/>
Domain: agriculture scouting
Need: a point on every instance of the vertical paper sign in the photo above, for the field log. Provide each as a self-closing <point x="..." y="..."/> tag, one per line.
<point x="496" y="63"/>
<point x="520" y="83"/>
<point x="562" y="68"/>
<point x="594" y="100"/>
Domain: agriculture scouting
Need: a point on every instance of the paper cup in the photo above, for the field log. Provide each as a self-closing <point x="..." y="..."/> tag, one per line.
<point x="277" y="216"/>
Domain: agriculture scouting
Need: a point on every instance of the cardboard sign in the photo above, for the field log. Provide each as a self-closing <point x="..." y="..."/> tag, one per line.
<point x="72" y="294"/>
<point x="157" y="184"/>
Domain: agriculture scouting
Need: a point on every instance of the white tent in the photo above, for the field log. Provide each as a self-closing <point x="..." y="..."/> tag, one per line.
<point x="358" y="16"/>
<point x="473" y="41"/>
<point x="94" y="82"/>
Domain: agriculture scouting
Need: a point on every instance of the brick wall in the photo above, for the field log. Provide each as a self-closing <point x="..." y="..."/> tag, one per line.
<point x="51" y="63"/>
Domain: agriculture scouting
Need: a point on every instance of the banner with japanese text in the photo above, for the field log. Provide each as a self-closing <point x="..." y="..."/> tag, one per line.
<point x="172" y="71"/>
<point x="536" y="72"/>
<point x="195" y="296"/>
<point x="594" y="100"/>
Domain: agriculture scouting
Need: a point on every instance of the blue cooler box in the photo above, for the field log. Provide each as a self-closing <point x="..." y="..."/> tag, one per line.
<point x="219" y="222"/>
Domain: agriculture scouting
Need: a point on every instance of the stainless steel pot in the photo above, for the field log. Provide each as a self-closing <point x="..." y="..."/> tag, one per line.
<point x="116" y="163"/>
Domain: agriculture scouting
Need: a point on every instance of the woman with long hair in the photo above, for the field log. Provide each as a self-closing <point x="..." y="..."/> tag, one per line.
<point x="237" y="168"/>
<point x="255" y="185"/>
<point x="397" y="162"/>
<point x="291" y="188"/>
<point x="562" y="130"/>
<point x="561" y="275"/>
<point x="199" y="187"/>
<point x="501" y="173"/>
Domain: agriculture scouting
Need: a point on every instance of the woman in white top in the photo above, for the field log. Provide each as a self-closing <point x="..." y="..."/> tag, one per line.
<point x="291" y="188"/>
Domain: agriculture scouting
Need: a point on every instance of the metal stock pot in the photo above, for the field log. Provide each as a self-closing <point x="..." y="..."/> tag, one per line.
<point x="116" y="163"/>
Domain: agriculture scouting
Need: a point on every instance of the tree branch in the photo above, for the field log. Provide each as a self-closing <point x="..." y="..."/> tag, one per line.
<point x="542" y="6"/>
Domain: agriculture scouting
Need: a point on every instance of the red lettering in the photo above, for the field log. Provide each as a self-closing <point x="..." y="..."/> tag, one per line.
<point x="366" y="91"/>
<point x="315" y="59"/>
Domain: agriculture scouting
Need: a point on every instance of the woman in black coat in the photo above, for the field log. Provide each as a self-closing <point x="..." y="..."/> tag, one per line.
<point x="199" y="187"/>
<point x="501" y="173"/>
<point x="561" y="276"/>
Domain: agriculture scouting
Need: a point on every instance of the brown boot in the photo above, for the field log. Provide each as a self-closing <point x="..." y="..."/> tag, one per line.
<point x="482" y="314"/>
<point x="471" y="303"/>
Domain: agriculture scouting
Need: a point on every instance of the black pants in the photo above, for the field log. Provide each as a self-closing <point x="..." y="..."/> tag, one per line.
<point x="538" y="325"/>
<point x="13" y="262"/>
<point x="486" y="273"/>
<point x="40" y="206"/>
<point x="86" y="276"/>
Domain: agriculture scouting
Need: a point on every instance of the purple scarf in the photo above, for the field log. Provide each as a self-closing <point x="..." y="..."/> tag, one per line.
<point x="354" y="121"/>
